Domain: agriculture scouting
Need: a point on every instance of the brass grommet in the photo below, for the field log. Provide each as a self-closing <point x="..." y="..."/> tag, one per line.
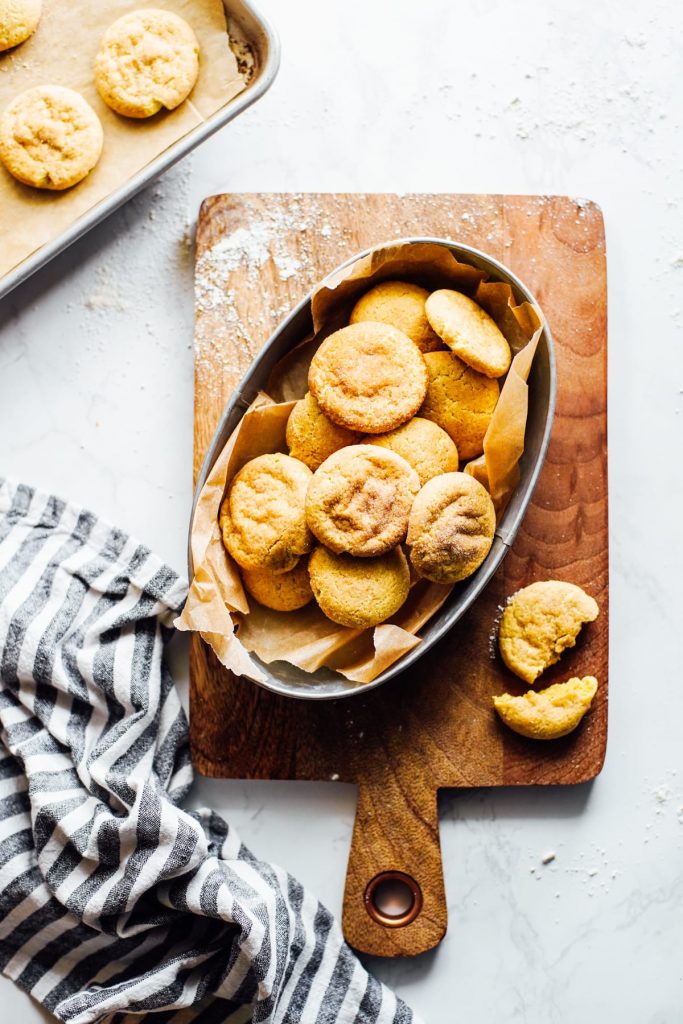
<point x="393" y="899"/>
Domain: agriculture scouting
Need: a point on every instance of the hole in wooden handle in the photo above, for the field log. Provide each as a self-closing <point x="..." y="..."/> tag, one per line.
<point x="393" y="899"/>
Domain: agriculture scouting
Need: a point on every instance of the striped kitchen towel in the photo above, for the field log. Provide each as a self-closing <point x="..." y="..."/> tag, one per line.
<point x="114" y="901"/>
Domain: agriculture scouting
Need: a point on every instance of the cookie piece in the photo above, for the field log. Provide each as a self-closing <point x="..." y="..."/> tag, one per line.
<point x="359" y="592"/>
<point x="469" y="331"/>
<point x="460" y="400"/>
<point x="311" y="436"/>
<point x="451" y="528"/>
<point x="263" y="518"/>
<point x="148" y="59"/>
<point x="18" y="21"/>
<point x="50" y="137"/>
<point x="368" y="377"/>
<point x="283" y="591"/>
<point x="359" y="500"/>
<point x="539" y="623"/>
<point x="399" y="304"/>
<point x="548" y="714"/>
<point x="424" y="446"/>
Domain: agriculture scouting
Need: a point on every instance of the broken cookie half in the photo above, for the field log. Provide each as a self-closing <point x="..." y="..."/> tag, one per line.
<point x="539" y="623"/>
<point x="548" y="714"/>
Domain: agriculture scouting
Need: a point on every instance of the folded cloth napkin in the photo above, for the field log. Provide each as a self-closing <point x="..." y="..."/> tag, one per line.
<point x="114" y="901"/>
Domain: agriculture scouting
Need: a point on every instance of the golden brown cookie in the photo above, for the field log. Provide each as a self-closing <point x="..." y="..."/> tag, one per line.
<point x="18" y="21"/>
<point x="311" y="436"/>
<point x="548" y="714"/>
<point x="263" y="519"/>
<point x="359" y="500"/>
<point x="283" y="591"/>
<point x="402" y="305"/>
<point x="368" y="377"/>
<point x="460" y="400"/>
<point x="148" y="59"/>
<point x="451" y="528"/>
<point x="50" y="137"/>
<point x="539" y="623"/>
<point x="469" y="331"/>
<point x="359" y="592"/>
<point x="424" y="446"/>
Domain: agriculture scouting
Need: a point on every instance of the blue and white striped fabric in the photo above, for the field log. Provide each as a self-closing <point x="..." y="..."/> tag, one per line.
<point x="114" y="901"/>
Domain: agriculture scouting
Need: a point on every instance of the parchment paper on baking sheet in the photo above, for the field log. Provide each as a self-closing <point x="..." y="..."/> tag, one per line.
<point x="62" y="52"/>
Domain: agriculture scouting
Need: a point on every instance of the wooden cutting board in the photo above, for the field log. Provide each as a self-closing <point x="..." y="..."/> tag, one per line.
<point x="434" y="727"/>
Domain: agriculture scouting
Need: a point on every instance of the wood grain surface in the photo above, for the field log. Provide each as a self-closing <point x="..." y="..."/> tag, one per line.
<point x="434" y="727"/>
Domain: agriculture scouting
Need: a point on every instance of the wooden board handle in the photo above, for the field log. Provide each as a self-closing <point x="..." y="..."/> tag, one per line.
<point x="394" y="900"/>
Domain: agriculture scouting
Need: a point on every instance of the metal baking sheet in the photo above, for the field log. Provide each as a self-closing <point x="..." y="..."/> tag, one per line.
<point x="257" y="50"/>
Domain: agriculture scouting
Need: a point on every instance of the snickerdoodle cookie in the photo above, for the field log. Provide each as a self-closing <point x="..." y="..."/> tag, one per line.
<point x="18" y="21"/>
<point x="50" y="137"/>
<point x="368" y="377"/>
<point x="359" y="500"/>
<point x="399" y="304"/>
<point x="311" y="436"/>
<point x="548" y="714"/>
<point x="539" y="623"/>
<point x="263" y="518"/>
<point x="359" y="592"/>
<point x="469" y="331"/>
<point x="451" y="528"/>
<point x="423" y="444"/>
<point x="460" y="400"/>
<point x="283" y="591"/>
<point x="148" y="59"/>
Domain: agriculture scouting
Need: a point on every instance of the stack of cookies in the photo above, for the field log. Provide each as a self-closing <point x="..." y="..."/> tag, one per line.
<point x="370" y="497"/>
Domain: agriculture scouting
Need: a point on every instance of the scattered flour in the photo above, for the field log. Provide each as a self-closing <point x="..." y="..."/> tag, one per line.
<point x="270" y="242"/>
<point x="288" y="266"/>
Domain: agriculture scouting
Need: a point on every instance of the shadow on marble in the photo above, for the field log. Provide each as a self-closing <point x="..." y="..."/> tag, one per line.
<point x="403" y="970"/>
<point x="514" y="802"/>
<point x="84" y="250"/>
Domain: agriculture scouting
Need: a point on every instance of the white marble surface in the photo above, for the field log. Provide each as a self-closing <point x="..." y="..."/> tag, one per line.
<point x="96" y="403"/>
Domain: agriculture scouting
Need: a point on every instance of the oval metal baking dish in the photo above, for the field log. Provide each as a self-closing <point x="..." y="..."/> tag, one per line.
<point x="325" y="684"/>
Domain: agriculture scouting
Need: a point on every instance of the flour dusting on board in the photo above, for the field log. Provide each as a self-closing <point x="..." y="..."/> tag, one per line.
<point x="273" y="244"/>
<point x="265" y="238"/>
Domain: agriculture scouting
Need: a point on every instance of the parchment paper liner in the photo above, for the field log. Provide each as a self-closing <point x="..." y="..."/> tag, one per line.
<point x="218" y="608"/>
<point x="62" y="51"/>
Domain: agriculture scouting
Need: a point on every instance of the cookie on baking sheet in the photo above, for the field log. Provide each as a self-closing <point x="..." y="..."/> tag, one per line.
<point x="263" y="519"/>
<point x="539" y="623"/>
<point x="311" y="436"/>
<point x="368" y="377"/>
<point x="451" y="528"/>
<point x="359" y="500"/>
<point x="548" y="714"/>
<point x="283" y="591"/>
<point x="148" y="59"/>
<point x="18" y="20"/>
<point x="50" y="137"/>
<point x="469" y="331"/>
<point x="460" y="400"/>
<point x="424" y="446"/>
<point x="399" y="304"/>
<point x="359" y="592"/>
